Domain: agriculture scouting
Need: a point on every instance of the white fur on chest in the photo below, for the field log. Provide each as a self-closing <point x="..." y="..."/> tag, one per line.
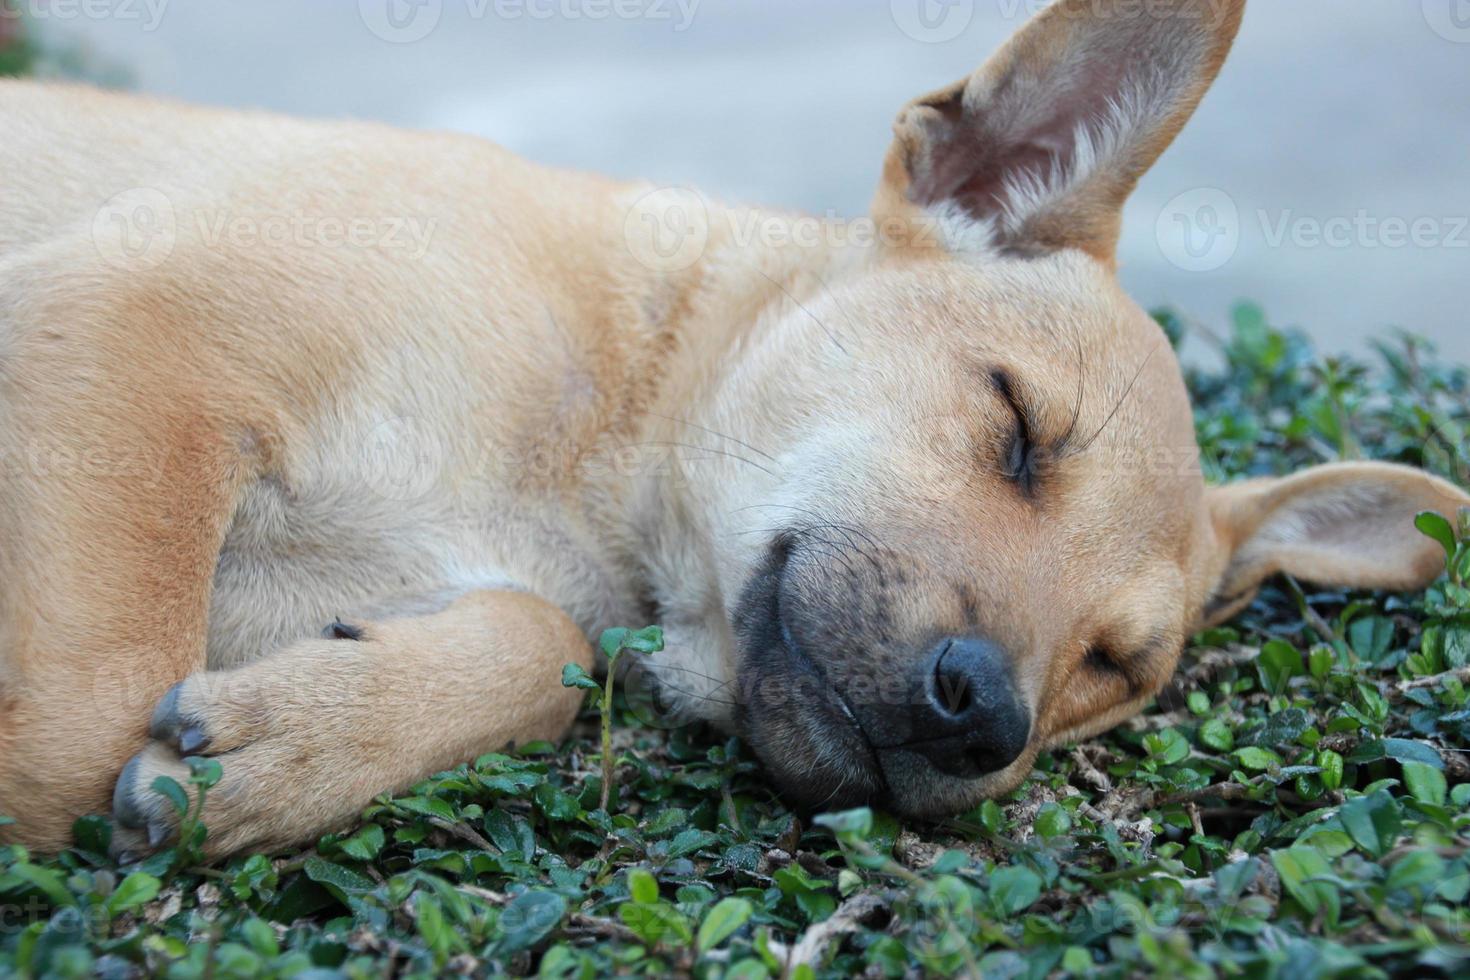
<point x="388" y="520"/>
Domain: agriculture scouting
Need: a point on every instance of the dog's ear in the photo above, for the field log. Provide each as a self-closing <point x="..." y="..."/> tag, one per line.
<point x="1039" y="149"/>
<point x="1349" y="525"/>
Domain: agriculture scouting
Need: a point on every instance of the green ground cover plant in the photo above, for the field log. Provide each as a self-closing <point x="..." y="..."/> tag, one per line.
<point x="1296" y="804"/>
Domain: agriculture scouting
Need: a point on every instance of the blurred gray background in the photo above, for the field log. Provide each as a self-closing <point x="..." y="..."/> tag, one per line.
<point x="1327" y="176"/>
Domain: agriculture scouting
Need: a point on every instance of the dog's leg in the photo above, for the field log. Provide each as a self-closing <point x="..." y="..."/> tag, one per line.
<point x="308" y="736"/>
<point x="106" y="579"/>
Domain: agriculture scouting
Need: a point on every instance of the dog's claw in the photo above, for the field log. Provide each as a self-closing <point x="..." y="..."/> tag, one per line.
<point x="124" y="806"/>
<point x="142" y="818"/>
<point x="339" y="630"/>
<point x="170" y="725"/>
<point x="165" y="719"/>
<point x="192" y="740"/>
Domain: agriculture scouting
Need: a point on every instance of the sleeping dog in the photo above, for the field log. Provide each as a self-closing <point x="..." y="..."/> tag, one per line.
<point x="328" y="445"/>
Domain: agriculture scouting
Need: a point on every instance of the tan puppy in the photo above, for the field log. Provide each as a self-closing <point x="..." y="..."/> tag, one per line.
<point x="909" y="510"/>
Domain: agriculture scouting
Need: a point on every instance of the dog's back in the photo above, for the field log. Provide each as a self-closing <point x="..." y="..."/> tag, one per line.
<point x="247" y="384"/>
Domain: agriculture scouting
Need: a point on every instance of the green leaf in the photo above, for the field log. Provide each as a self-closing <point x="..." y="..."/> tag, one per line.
<point x="261" y="937"/>
<point x="1425" y="783"/>
<point x="1331" y="765"/>
<point x="1078" y="961"/>
<point x="1282" y="728"/>
<point x="1014" y="889"/>
<point x="92" y="833"/>
<point x="204" y="772"/>
<point x="1398" y="749"/>
<point x="134" y="890"/>
<point x="613" y="642"/>
<point x="1299" y="867"/>
<point x="1419" y="869"/>
<point x="851" y="824"/>
<point x="642" y="886"/>
<point x="1435" y="526"/>
<point x="1320" y="661"/>
<point x="426" y="806"/>
<point x="653" y="923"/>
<point x="365" y="844"/>
<point x="47" y="881"/>
<point x="748" y="969"/>
<point x="1166" y="746"/>
<point x="169" y="788"/>
<point x="1371" y="637"/>
<point x="558" y="806"/>
<point x="1257" y="759"/>
<point x="342" y="880"/>
<point x="511" y="834"/>
<point x="723" y="921"/>
<point x="431" y="925"/>
<point x="1277" y="664"/>
<point x="1373" y="822"/>
<point x="1052" y="821"/>
<point x="1215" y="734"/>
<point x="650" y="639"/>
<point x="574" y="675"/>
<point x="688" y="841"/>
<point x="530" y="918"/>
<point x="1456" y="645"/>
<point x="666" y="820"/>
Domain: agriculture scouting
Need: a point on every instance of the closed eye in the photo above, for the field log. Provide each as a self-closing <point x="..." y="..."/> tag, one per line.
<point x="1101" y="661"/>
<point x="1020" y="462"/>
<point x="1142" y="668"/>
<point x="1103" y="664"/>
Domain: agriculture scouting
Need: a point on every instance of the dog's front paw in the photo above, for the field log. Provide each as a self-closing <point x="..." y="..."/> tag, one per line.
<point x="283" y="731"/>
<point x="205" y="715"/>
<point x="144" y="820"/>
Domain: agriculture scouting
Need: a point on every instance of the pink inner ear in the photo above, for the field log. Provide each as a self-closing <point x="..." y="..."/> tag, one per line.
<point x="1025" y="127"/>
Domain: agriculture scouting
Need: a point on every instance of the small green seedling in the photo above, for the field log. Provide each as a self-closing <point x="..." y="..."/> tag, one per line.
<point x="1456" y="545"/>
<point x="614" y="643"/>
<point x="204" y="774"/>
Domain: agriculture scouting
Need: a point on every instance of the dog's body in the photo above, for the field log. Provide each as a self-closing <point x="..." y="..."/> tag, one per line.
<point x="505" y="416"/>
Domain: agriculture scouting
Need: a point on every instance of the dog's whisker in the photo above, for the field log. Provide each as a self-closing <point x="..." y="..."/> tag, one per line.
<point x="715" y="432"/>
<point x="800" y="306"/>
<point x="706" y="449"/>
<point x="1122" y="400"/>
<point x="851" y="528"/>
<point x="1081" y="389"/>
<point x="837" y="299"/>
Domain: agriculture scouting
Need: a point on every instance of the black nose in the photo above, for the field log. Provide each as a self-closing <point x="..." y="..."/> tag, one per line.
<point x="973" y="720"/>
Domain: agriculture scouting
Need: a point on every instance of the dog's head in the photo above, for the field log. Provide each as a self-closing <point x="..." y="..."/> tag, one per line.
<point x="985" y="530"/>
